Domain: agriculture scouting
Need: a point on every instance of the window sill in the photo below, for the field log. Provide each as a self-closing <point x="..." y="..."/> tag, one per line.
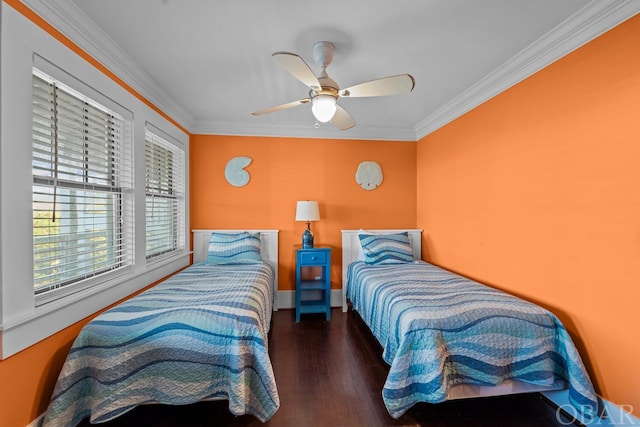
<point x="164" y="258"/>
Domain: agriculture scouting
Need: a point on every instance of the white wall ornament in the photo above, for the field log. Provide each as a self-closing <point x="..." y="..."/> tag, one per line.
<point x="369" y="175"/>
<point x="234" y="171"/>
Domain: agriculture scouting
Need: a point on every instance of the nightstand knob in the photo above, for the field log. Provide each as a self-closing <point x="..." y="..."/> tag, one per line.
<point x="313" y="258"/>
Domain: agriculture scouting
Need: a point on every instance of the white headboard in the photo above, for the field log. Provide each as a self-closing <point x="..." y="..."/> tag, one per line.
<point x="268" y="249"/>
<point x="351" y="247"/>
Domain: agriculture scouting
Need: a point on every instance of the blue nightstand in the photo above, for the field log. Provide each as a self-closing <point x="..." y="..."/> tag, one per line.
<point x="313" y="281"/>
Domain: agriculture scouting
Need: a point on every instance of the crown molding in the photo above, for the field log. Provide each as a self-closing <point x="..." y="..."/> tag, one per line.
<point x="67" y="18"/>
<point x="325" y="131"/>
<point x="597" y="17"/>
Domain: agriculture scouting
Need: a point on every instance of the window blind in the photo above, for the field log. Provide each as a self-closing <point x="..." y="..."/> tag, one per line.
<point x="80" y="176"/>
<point x="164" y="188"/>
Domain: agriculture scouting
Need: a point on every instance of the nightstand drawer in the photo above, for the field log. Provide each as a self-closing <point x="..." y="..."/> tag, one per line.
<point x="316" y="257"/>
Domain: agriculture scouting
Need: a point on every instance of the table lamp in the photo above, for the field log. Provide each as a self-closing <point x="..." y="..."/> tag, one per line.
<point x="307" y="211"/>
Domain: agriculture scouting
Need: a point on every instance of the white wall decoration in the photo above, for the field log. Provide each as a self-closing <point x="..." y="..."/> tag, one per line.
<point x="369" y="175"/>
<point x="234" y="171"/>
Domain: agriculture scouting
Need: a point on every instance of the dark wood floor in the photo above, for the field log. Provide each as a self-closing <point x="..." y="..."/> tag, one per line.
<point x="331" y="374"/>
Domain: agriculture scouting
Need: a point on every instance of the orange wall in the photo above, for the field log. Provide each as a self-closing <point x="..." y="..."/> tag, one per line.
<point x="285" y="170"/>
<point x="27" y="378"/>
<point x="538" y="192"/>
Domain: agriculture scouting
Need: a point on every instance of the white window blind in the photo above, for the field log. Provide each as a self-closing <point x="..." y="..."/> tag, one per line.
<point x="81" y="220"/>
<point x="164" y="188"/>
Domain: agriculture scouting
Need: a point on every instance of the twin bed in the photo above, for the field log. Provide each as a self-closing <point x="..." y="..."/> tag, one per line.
<point x="448" y="337"/>
<point x="200" y="335"/>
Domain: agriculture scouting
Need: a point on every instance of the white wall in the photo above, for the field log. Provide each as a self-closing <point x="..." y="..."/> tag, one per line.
<point x="21" y="322"/>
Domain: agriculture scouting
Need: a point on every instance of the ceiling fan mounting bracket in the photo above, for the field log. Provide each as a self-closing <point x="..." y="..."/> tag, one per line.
<point x="323" y="53"/>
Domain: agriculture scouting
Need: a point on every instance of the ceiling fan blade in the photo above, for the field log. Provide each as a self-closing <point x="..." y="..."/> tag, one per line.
<point x="299" y="69"/>
<point x="281" y="107"/>
<point x="393" y="85"/>
<point x="342" y="120"/>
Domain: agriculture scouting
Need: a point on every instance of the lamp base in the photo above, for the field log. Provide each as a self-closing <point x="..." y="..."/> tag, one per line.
<point x="307" y="239"/>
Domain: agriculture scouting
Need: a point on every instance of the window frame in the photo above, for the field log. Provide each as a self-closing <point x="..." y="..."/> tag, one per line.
<point x="24" y="323"/>
<point x="169" y="186"/>
<point x="71" y="155"/>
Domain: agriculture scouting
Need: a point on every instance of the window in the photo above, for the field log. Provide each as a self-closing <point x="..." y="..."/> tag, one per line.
<point x="164" y="188"/>
<point x="80" y="180"/>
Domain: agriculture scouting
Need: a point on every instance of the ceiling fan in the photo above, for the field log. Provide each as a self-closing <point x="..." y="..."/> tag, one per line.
<point x="324" y="91"/>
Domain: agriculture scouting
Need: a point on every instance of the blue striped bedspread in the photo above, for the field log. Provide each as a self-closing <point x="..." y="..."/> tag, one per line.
<point x="201" y="334"/>
<point x="438" y="329"/>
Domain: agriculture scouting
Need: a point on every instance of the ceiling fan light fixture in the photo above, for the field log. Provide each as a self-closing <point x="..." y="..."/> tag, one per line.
<point x="324" y="91"/>
<point x="323" y="107"/>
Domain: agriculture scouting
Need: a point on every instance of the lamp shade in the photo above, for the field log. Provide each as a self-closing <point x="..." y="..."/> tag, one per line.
<point x="323" y="107"/>
<point x="307" y="211"/>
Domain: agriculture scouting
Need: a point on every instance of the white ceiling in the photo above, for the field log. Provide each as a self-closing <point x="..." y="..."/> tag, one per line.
<point x="208" y="63"/>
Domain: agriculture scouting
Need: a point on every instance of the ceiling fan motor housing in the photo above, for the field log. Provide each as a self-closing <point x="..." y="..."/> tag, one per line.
<point x="327" y="87"/>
